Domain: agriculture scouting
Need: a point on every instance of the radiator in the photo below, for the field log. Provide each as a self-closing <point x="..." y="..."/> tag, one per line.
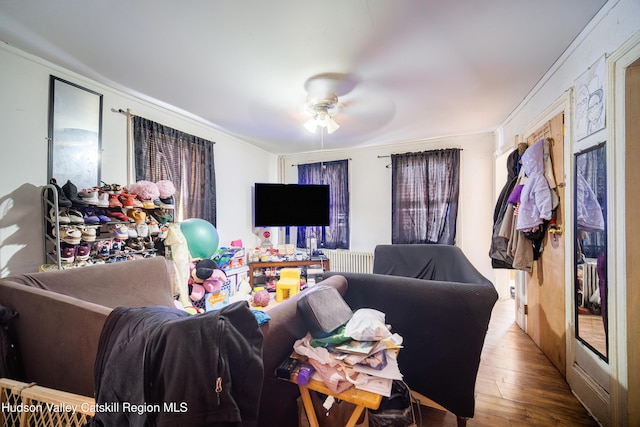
<point x="349" y="261"/>
<point x="590" y="292"/>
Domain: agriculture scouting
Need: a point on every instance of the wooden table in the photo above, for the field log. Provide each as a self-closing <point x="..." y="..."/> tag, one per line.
<point x="361" y="398"/>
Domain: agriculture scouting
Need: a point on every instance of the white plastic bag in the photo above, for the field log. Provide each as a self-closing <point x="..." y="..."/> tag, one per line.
<point x="367" y="324"/>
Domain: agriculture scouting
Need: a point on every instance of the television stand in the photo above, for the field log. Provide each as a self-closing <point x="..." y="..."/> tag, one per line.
<point x="257" y="269"/>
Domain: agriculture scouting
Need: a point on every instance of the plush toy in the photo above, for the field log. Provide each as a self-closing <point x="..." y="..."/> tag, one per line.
<point x="205" y="278"/>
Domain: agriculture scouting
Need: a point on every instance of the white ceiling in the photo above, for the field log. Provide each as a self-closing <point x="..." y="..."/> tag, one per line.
<point x="407" y="70"/>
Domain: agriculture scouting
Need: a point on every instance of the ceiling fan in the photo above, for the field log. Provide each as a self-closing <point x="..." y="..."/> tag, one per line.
<point x="322" y="110"/>
<point x="322" y="99"/>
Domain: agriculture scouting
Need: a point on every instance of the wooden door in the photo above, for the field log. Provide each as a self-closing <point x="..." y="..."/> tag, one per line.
<point x="546" y="284"/>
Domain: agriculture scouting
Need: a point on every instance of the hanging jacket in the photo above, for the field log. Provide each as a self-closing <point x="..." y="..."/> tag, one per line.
<point x="160" y="366"/>
<point x="498" y="251"/>
<point x="589" y="215"/>
<point x="535" y="198"/>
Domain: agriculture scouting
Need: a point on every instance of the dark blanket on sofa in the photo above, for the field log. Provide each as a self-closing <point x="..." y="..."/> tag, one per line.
<point x="161" y="366"/>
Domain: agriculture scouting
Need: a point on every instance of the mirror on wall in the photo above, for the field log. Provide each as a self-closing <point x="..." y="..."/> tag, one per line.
<point x="590" y="273"/>
<point x="75" y="128"/>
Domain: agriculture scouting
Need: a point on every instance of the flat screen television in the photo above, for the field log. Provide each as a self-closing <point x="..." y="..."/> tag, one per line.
<point x="283" y="205"/>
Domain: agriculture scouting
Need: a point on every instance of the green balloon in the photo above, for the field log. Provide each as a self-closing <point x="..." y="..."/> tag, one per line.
<point x="202" y="237"/>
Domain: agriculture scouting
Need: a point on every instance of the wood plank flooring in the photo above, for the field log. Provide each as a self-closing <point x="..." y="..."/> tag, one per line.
<point x="517" y="385"/>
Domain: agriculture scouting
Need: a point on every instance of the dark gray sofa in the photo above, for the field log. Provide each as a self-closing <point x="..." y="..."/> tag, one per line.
<point x="453" y="302"/>
<point x="443" y="321"/>
<point x="442" y="311"/>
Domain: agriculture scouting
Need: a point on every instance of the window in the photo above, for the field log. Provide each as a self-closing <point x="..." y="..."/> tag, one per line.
<point x="425" y="190"/>
<point x="336" y="174"/>
<point x="186" y="160"/>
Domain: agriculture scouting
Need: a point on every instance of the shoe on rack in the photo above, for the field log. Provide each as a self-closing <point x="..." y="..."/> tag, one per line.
<point x="133" y="233"/>
<point x="89" y="195"/>
<point x="150" y="244"/>
<point x="114" y="201"/>
<point x="88" y="232"/>
<point x="63" y="202"/>
<point x="103" y="248"/>
<point x="120" y="231"/>
<point x="68" y="253"/>
<point x="116" y="246"/>
<point x="136" y="244"/>
<point x="138" y="216"/>
<point x="162" y="216"/>
<point x="83" y="250"/>
<point x="70" y="234"/>
<point x="154" y="228"/>
<point x="111" y="188"/>
<point x="142" y="229"/>
<point x="71" y="191"/>
<point x="62" y="214"/>
<point x="90" y="216"/>
<point x="117" y="215"/>
<point x="103" y="199"/>
<point x="168" y="202"/>
<point x="102" y="215"/>
<point x="75" y="216"/>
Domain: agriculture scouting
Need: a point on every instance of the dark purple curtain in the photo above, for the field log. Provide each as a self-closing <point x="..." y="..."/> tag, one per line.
<point x="336" y="174"/>
<point x="186" y="160"/>
<point x="425" y="190"/>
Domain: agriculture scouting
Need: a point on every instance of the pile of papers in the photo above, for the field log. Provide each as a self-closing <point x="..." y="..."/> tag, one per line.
<point x="361" y="354"/>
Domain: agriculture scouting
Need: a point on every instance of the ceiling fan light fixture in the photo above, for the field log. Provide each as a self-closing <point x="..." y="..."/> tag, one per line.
<point x="311" y="125"/>
<point x="332" y="126"/>
<point x="321" y="108"/>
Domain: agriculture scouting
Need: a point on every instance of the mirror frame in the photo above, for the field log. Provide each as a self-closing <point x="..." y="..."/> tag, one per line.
<point x="75" y="134"/>
<point x="604" y="357"/>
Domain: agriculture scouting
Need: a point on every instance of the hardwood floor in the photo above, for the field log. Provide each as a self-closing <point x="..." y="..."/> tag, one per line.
<point x="517" y="385"/>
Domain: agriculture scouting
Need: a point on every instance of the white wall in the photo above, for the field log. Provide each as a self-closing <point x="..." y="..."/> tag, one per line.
<point x="370" y="192"/>
<point x="616" y="23"/>
<point x="24" y="89"/>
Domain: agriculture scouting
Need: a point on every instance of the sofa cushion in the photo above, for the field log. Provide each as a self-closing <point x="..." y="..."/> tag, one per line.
<point x="134" y="283"/>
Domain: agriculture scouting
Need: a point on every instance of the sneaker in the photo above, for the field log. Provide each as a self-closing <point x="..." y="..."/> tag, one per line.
<point x="154" y="228"/>
<point x="103" y="248"/>
<point x="168" y="202"/>
<point x="133" y="233"/>
<point x="102" y="216"/>
<point x="63" y="201"/>
<point x="114" y="201"/>
<point x="117" y="215"/>
<point x="71" y="235"/>
<point x="63" y="216"/>
<point x="89" y="195"/>
<point x="90" y="217"/>
<point x="116" y="246"/>
<point x="120" y="231"/>
<point x="89" y="233"/>
<point x="136" y="244"/>
<point x="83" y="250"/>
<point x="142" y="229"/>
<point x="71" y="191"/>
<point x="103" y="199"/>
<point x="75" y="216"/>
<point x="68" y="253"/>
